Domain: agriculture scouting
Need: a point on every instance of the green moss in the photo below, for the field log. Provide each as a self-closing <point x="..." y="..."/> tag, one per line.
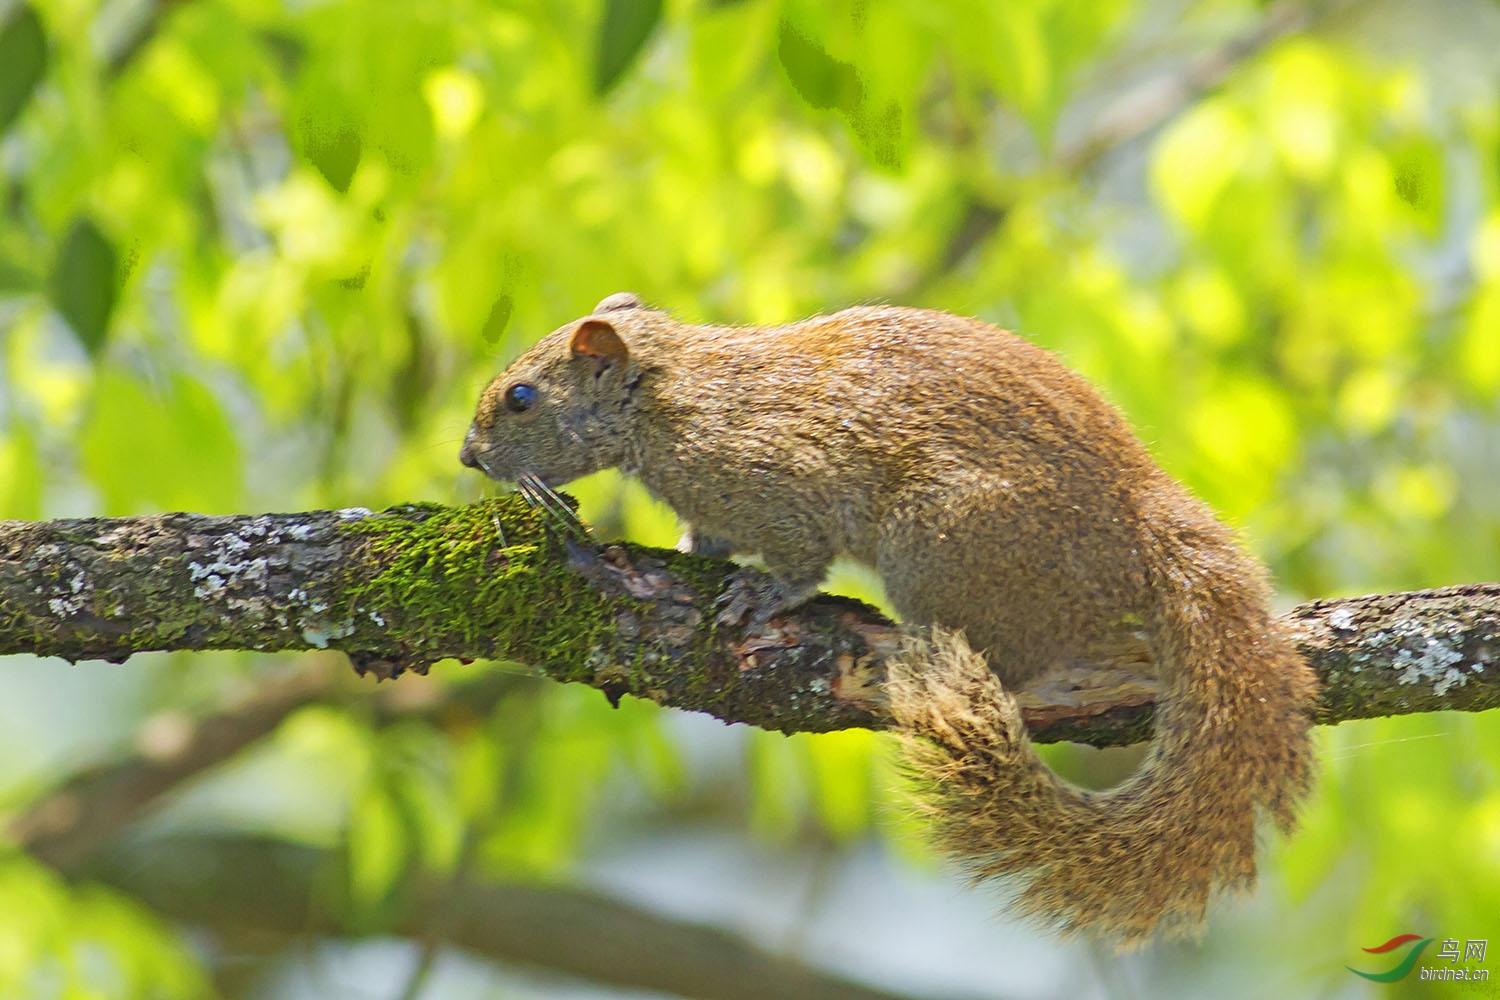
<point x="445" y="584"/>
<point x="488" y="576"/>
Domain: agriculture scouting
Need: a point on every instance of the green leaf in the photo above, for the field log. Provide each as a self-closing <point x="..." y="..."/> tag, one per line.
<point x="778" y="786"/>
<point x="880" y="131"/>
<point x="334" y="150"/>
<point x="166" y="446"/>
<point x="23" y="61"/>
<point x="622" y="33"/>
<point x="498" y="319"/>
<point x="83" y="282"/>
<point x="823" y="81"/>
<point x="432" y="817"/>
<point x="288" y="51"/>
<point x="377" y="846"/>
<point x="16" y="276"/>
<point x="20" y="476"/>
<point x="479" y="773"/>
<point x="1418" y="166"/>
<point x="841" y="765"/>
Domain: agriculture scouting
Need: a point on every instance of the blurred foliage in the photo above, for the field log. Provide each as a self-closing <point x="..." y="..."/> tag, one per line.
<point x="84" y="943"/>
<point x="258" y="254"/>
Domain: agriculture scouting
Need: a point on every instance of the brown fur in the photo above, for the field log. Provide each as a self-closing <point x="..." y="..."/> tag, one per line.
<point x="997" y="493"/>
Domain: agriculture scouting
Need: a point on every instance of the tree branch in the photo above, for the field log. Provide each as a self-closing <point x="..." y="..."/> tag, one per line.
<point x="261" y="896"/>
<point x="415" y="585"/>
<point x="71" y="822"/>
<point x="1139" y="111"/>
<point x="1144" y="108"/>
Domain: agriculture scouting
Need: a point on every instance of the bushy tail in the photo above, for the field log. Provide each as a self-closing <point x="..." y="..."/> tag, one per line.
<point x="1143" y="858"/>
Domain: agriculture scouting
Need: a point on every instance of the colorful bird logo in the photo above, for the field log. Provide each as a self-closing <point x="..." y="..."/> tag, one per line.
<point x="1402" y="967"/>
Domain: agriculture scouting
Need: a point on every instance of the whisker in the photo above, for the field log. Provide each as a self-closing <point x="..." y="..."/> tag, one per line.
<point x="1353" y="750"/>
<point x="548" y="500"/>
<point x="531" y="492"/>
<point x="543" y="498"/>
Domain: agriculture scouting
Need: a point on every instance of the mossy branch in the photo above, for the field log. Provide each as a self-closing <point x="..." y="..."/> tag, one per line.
<point x="414" y="585"/>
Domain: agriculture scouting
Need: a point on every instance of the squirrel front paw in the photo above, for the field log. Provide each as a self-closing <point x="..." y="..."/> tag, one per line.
<point x="753" y="597"/>
<point x="704" y="545"/>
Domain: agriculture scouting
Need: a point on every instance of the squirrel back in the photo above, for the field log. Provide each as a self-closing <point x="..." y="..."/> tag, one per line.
<point x="996" y="493"/>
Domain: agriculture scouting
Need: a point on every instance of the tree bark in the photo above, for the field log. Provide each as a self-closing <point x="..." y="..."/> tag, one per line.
<point x="414" y="585"/>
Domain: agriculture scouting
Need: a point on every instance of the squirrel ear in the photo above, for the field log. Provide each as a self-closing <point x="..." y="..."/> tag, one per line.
<point x="597" y="340"/>
<point x="619" y="300"/>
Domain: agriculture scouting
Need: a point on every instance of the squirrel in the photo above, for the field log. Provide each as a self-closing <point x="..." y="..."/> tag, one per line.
<point x="1002" y="501"/>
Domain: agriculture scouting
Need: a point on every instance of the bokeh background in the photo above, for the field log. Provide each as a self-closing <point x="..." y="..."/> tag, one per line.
<point x="263" y="254"/>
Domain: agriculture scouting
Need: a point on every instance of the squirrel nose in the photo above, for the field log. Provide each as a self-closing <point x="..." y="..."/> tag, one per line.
<point x="467" y="456"/>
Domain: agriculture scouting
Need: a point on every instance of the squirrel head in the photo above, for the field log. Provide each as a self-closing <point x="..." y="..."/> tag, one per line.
<point x="558" y="411"/>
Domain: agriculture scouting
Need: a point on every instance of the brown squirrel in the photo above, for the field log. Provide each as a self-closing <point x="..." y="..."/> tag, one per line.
<point x="996" y="493"/>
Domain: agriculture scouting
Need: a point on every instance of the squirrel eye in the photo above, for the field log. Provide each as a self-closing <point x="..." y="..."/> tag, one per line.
<point x="520" y="397"/>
